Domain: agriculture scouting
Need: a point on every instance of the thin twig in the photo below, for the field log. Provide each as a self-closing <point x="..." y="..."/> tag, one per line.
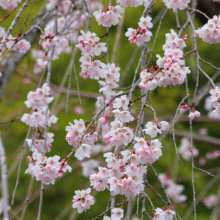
<point x="174" y="140"/>
<point x="25" y="203"/>
<point x="204" y="171"/>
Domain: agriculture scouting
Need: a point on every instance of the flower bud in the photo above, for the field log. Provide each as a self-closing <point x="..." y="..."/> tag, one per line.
<point x="196" y="114"/>
<point x="191" y="115"/>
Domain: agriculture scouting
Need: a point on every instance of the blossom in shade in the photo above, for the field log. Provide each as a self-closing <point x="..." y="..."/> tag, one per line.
<point x="210" y="201"/>
<point x="185" y="149"/>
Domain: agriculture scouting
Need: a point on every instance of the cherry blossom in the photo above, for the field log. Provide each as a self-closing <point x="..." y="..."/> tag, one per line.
<point x="194" y="114"/>
<point x="43" y="168"/>
<point x="9" y="5"/>
<point x="22" y="46"/>
<point x="83" y="151"/>
<point x="160" y="214"/>
<point x="141" y="34"/>
<point x="38" y="101"/>
<point x="185" y="149"/>
<point x="210" y="201"/>
<point x="88" y="167"/>
<point x="38" y="144"/>
<point x="109" y="16"/>
<point x="176" y="4"/>
<point x="152" y="128"/>
<point x="170" y="69"/>
<point x="82" y="200"/>
<point x="134" y="3"/>
<point x="210" y="32"/>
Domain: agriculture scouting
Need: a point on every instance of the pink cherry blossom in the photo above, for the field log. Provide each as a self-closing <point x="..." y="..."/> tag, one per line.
<point x="82" y="200"/>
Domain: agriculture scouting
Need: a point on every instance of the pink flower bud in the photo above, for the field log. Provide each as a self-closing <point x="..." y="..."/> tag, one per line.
<point x="84" y="75"/>
<point x="132" y="166"/>
<point x="191" y="115"/>
<point x="121" y="168"/>
<point x="169" y="60"/>
<point x="102" y="120"/>
<point x="202" y="161"/>
<point x="78" y="110"/>
<point x="197" y="114"/>
<point x="60" y="173"/>
<point x="142" y="85"/>
<point x="166" y="65"/>
<point x="75" y="200"/>
<point x="107" y="137"/>
<point x="86" y="43"/>
<point x="174" y="58"/>
<point x="183" y="102"/>
<point x="79" y="46"/>
<point x="203" y="131"/>
<point x="185" y="37"/>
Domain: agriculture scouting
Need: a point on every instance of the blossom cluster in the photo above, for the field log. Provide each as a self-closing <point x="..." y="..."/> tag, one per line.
<point x="117" y="214"/>
<point x="108" y="16"/>
<point x="21" y="46"/>
<point x="120" y="175"/>
<point x="210" y="201"/>
<point x="133" y="3"/>
<point x="89" y="167"/>
<point x="141" y="34"/>
<point x="214" y="102"/>
<point x="173" y="190"/>
<point x="88" y="44"/>
<point x="193" y="113"/>
<point x="9" y="5"/>
<point x="38" y="101"/>
<point x="82" y="142"/>
<point x="82" y="200"/>
<point x="111" y="76"/>
<point x="155" y="127"/>
<point x="177" y="4"/>
<point x="38" y="144"/>
<point x="210" y="32"/>
<point x="124" y="172"/>
<point x="43" y="168"/>
<point x="171" y="68"/>
<point x="68" y="24"/>
<point x="160" y="214"/>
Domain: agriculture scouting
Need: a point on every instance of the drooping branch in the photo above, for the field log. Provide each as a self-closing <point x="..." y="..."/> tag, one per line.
<point x="4" y="181"/>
